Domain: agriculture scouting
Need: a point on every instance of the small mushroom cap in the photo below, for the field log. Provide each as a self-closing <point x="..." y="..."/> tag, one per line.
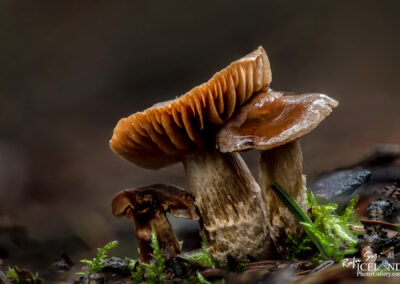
<point x="166" y="198"/>
<point x="271" y="119"/>
<point x="164" y="133"/>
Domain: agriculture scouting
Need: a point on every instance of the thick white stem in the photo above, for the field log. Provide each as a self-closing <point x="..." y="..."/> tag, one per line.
<point x="283" y="165"/>
<point x="232" y="217"/>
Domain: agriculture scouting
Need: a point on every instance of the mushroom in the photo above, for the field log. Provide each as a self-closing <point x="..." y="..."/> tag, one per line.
<point x="232" y="220"/>
<point x="147" y="207"/>
<point x="273" y="122"/>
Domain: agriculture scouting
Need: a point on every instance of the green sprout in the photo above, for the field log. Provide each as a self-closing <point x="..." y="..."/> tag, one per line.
<point x="155" y="271"/>
<point x="299" y="247"/>
<point x="328" y="221"/>
<point x="36" y="277"/>
<point x="96" y="264"/>
<point x="327" y="230"/>
<point x="149" y="273"/>
<point x="201" y="279"/>
<point x="137" y="271"/>
<point x="203" y="257"/>
<point x="12" y="275"/>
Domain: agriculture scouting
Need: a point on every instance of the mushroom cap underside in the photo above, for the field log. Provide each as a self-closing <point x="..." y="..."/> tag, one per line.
<point x="162" y="197"/>
<point x="164" y="133"/>
<point x="270" y="119"/>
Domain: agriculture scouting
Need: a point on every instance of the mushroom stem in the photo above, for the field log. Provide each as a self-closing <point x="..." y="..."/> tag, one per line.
<point x="283" y="165"/>
<point x="165" y="235"/>
<point x="232" y="219"/>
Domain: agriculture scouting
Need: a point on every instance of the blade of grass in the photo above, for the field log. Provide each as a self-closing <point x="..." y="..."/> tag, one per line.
<point x="300" y="215"/>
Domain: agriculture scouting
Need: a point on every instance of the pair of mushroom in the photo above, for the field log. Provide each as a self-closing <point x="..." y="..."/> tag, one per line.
<point x="206" y="128"/>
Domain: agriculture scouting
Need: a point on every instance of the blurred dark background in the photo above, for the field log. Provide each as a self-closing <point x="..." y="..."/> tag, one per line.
<point x="70" y="69"/>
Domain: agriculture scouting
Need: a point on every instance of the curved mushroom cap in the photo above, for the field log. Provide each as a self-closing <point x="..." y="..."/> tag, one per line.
<point x="162" y="134"/>
<point x="175" y="200"/>
<point x="271" y="119"/>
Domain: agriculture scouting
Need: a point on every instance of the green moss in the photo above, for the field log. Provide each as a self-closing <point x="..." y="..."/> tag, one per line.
<point x="203" y="257"/>
<point x="12" y="275"/>
<point x="241" y="267"/>
<point x="137" y="271"/>
<point x="324" y="227"/>
<point x="300" y="248"/>
<point x="333" y="229"/>
<point x="201" y="279"/>
<point x="153" y="272"/>
<point x="96" y="264"/>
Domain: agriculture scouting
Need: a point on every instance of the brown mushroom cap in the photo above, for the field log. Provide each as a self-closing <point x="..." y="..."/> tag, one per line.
<point x="166" y="198"/>
<point x="271" y="119"/>
<point x="164" y="133"/>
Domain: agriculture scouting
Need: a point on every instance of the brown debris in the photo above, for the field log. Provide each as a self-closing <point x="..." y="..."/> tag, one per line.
<point x="389" y="253"/>
<point x="381" y="210"/>
<point x="268" y="272"/>
<point x="26" y="276"/>
<point x="381" y="223"/>
<point x="63" y="262"/>
<point x="392" y="191"/>
<point x="334" y="274"/>
<point x="374" y="237"/>
<point x="278" y="264"/>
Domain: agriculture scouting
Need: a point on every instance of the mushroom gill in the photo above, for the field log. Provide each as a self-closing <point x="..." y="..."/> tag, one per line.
<point x="165" y="132"/>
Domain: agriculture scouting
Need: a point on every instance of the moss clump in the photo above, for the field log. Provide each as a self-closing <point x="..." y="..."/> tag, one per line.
<point x="154" y="272"/>
<point x="96" y="264"/>
<point x="203" y="257"/>
<point x="149" y="273"/>
<point x="332" y="229"/>
<point x="16" y="275"/>
<point x="324" y="227"/>
<point x="12" y="275"/>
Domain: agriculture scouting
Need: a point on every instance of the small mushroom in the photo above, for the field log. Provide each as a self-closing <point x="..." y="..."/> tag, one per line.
<point x="272" y="122"/>
<point x="232" y="220"/>
<point x="147" y="207"/>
